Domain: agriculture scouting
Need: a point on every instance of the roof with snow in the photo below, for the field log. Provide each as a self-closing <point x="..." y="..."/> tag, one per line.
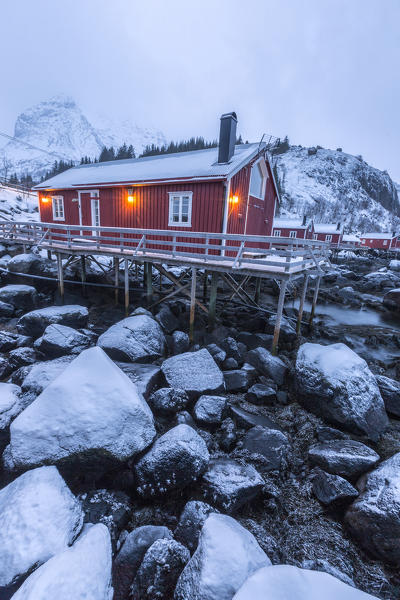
<point x="350" y="237"/>
<point x="290" y="223"/>
<point x="194" y="165"/>
<point x="328" y="228"/>
<point x="378" y="235"/>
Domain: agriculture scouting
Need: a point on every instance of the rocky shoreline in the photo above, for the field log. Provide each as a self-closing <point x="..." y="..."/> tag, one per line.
<point x="208" y="470"/>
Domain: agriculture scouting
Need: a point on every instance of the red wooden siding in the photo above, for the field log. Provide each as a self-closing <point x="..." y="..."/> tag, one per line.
<point x="379" y="244"/>
<point x="336" y="238"/>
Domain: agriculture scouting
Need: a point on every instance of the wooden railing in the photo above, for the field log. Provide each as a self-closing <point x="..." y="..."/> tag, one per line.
<point x="236" y="251"/>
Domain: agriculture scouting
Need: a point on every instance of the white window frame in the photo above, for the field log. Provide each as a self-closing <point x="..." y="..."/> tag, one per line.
<point x="260" y="162"/>
<point x="385" y="242"/>
<point x="277" y="233"/>
<point x="57" y="203"/>
<point x="293" y="234"/>
<point x="328" y="237"/>
<point x="93" y="212"/>
<point x="371" y="241"/>
<point x="315" y="236"/>
<point x="180" y="195"/>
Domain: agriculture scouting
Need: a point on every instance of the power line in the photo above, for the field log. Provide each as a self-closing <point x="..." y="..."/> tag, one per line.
<point x="28" y="145"/>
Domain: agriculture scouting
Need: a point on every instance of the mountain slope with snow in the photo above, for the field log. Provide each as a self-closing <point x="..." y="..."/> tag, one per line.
<point x="59" y="126"/>
<point x="17" y="205"/>
<point x="333" y="186"/>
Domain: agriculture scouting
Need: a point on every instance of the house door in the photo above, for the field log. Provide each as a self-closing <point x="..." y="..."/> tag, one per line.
<point x="89" y="211"/>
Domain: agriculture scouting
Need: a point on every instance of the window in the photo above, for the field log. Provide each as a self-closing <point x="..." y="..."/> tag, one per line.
<point x="95" y="212"/>
<point x="277" y="233"/>
<point x="371" y="241"/>
<point x="385" y="242"/>
<point x="328" y="238"/>
<point x="58" y="208"/>
<point x="315" y="236"/>
<point x="180" y="209"/>
<point x="258" y="179"/>
<point x="292" y="234"/>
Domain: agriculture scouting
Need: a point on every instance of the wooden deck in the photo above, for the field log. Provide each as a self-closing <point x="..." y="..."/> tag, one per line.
<point x="258" y="256"/>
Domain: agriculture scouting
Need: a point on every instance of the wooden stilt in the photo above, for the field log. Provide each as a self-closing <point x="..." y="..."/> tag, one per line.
<point x="192" y="304"/>
<point x="301" y="305"/>
<point x="281" y="302"/>
<point x="49" y="254"/>
<point x="314" y="301"/>
<point x="126" y="281"/>
<point x="258" y="290"/>
<point x="213" y="300"/>
<point x="149" y="282"/>
<point x="205" y="286"/>
<point x="83" y="275"/>
<point x="60" y="274"/>
<point x="116" y="279"/>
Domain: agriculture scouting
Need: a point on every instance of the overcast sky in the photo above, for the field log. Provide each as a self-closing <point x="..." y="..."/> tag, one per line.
<point x="322" y="71"/>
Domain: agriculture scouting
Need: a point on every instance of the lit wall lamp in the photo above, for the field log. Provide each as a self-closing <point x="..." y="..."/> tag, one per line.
<point x="131" y="196"/>
<point x="234" y="199"/>
<point x="45" y="199"/>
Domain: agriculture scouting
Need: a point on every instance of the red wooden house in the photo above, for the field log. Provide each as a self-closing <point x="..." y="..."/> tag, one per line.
<point x="378" y="240"/>
<point x="229" y="189"/>
<point x="331" y="233"/>
<point x="293" y="227"/>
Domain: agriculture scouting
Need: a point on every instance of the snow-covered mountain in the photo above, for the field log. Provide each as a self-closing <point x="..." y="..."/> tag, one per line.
<point x="333" y="186"/>
<point x="18" y="205"/>
<point x="59" y="126"/>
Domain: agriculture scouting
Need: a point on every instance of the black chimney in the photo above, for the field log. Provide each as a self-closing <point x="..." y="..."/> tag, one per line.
<point x="227" y="137"/>
<point x="304" y="220"/>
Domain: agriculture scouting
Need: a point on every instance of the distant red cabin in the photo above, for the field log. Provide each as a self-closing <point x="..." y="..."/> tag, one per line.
<point x="331" y="233"/>
<point x="292" y="227"/>
<point x="378" y="240"/>
<point x="229" y="189"/>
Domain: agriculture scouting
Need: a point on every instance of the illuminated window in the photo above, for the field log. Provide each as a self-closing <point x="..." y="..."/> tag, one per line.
<point x="258" y="179"/>
<point x="277" y="233"/>
<point x="292" y="234"/>
<point x="328" y="238"/>
<point x="58" y="208"/>
<point x="180" y="209"/>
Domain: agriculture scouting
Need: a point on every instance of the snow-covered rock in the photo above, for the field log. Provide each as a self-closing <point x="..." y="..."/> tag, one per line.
<point x="82" y="572"/>
<point x="394" y="265"/>
<point x="130" y="556"/>
<point x="228" y="484"/>
<point x="10" y="341"/>
<point x="145" y="377"/>
<point x="332" y="489"/>
<point x="39" y="375"/>
<point x="191" y="523"/>
<point x="227" y="554"/>
<point x="168" y="401"/>
<point x="58" y="340"/>
<point x="10" y="407"/>
<point x="347" y="458"/>
<point x="22" y="297"/>
<point x="390" y="392"/>
<point x="284" y="582"/>
<point x="336" y="384"/>
<point x="267" y="364"/>
<point x="209" y="410"/>
<point x="271" y="444"/>
<point x="35" y="322"/>
<point x="136" y="338"/>
<point x="195" y="372"/>
<point x="39" y="517"/>
<point x="98" y="411"/>
<point x="175" y="460"/>
<point x="374" y="517"/>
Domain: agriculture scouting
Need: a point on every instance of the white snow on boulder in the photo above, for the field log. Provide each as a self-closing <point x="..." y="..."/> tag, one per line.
<point x="35" y="322"/>
<point x="194" y="372"/>
<point x="227" y="554"/>
<point x="82" y="572"/>
<point x="336" y="383"/>
<point x="135" y="338"/>
<point x="10" y="403"/>
<point x="92" y="405"/>
<point x="284" y="582"/>
<point x="39" y="517"/>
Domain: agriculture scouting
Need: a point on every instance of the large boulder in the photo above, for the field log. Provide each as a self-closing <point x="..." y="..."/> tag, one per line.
<point x="195" y="372"/>
<point x="209" y="410"/>
<point x="374" y="517"/>
<point x="191" y="522"/>
<point x="229" y="484"/>
<point x="145" y="377"/>
<point x="226" y="556"/>
<point x="21" y="297"/>
<point x="10" y="341"/>
<point x="35" y="378"/>
<point x="284" y="582"/>
<point x="39" y="517"/>
<point x="82" y="572"/>
<point x="131" y="554"/>
<point x="91" y="410"/>
<point x="347" y="458"/>
<point x="35" y="322"/>
<point x="336" y="384"/>
<point x="175" y="460"/>
<point x="161" y="566"/>
<point x="270" y="444"/>
<point x="267" y="364"/>
<point x="168" y="401"/>
<point x="390" y="392"/>
<point x="58" y="340"/>
<point x="137" y="338"/>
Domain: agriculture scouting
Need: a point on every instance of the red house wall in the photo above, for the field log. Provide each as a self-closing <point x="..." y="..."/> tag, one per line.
<point x="336" y="238"/>
<point x="378" y="244"/>
<point x="301" y="233"/>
